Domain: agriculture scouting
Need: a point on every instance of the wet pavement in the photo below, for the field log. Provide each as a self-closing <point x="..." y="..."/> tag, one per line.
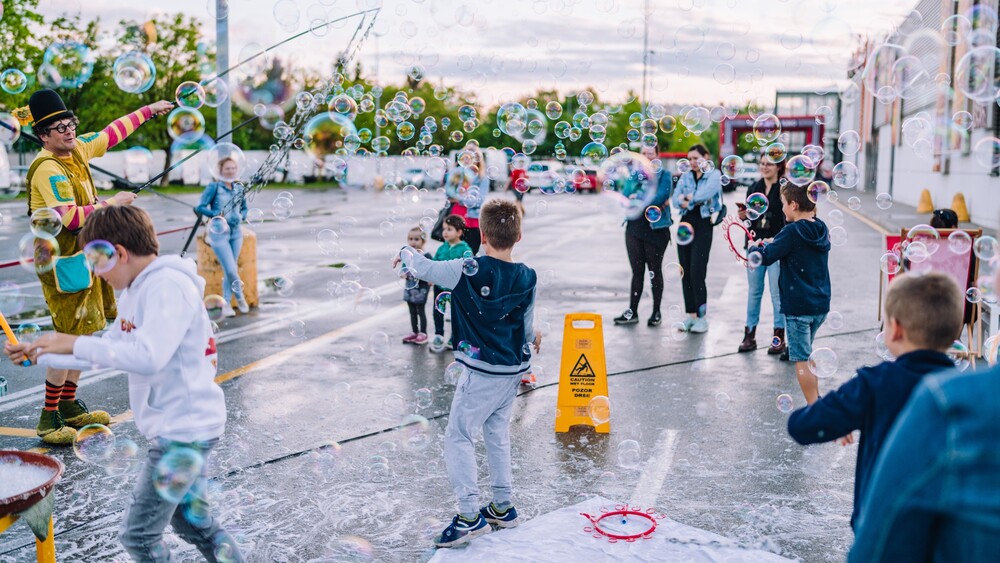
<point x="307" y="369"/>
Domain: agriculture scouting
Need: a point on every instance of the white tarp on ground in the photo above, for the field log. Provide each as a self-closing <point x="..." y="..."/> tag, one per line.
<point x="559" y="536"/>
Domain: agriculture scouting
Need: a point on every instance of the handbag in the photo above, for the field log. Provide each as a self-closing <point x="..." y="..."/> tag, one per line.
<point x="437" y="232"/>
<point x="721" y="215"/>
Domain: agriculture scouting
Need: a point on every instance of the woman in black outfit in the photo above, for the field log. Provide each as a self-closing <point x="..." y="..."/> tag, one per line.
<point x="698" y="195"/>
<point x="646" y="242"/>
<point x="763" y="227"/>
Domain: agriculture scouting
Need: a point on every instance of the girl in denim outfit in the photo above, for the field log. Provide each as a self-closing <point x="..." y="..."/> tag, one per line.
<point x="225" y="202"/>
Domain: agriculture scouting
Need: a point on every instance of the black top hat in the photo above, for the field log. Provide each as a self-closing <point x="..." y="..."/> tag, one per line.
<point x="47" y="107"/>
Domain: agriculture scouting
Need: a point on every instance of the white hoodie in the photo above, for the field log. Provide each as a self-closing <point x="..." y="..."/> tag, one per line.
<point x="163" y="339"/>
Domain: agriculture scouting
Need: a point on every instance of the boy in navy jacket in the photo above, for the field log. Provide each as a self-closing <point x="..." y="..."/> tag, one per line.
<point x="803" y="247"/>
<point x="492" y="307"/>
<point x="923" y="317"/>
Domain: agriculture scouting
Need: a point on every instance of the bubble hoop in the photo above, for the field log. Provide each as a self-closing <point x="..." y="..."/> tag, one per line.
<point x="624" y="511"/>
<point x="728" y="224"/>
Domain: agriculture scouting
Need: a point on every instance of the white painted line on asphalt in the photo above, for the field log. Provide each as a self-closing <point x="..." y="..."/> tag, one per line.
<point x="655" y="470"/>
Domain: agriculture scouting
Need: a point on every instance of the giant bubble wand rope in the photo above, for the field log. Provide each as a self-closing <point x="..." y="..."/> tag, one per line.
<point x="302" y="114"/>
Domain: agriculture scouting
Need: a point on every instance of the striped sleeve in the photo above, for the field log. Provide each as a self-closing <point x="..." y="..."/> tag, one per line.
<point x="51" y="188"/>
<point x="125" y="126"/>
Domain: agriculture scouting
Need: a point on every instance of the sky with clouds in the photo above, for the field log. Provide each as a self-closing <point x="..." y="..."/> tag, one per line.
<point x="700" y="51"/>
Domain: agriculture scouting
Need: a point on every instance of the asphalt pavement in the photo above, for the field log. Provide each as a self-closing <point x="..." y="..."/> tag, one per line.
<point x="315" y="467"/>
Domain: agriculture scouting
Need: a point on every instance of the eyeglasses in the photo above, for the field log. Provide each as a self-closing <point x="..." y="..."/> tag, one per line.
<point x="767" y="164"/>
<point x="64" y="127"/>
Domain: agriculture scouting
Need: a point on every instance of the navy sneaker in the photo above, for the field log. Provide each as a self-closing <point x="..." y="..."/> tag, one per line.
<point x="461" y="531"/>
<point x="500" y="518"/>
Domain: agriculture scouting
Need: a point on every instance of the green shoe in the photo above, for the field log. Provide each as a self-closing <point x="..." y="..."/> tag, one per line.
<point x="75" y="414"/>
<point x="53" y="430"/>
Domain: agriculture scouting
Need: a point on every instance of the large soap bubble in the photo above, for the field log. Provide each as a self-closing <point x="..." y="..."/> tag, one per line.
<point x="631" y="179"/>
<point x="324" y="134"/>
<point x="134" y="72"/>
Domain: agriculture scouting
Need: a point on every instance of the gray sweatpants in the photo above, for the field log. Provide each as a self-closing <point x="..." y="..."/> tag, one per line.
<point x="482" y="403"/>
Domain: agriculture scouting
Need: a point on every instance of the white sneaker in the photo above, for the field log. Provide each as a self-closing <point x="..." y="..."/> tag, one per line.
<point x="700" y="325"/>
<point x="227" y="310"/>
<point x="241" y="303"/>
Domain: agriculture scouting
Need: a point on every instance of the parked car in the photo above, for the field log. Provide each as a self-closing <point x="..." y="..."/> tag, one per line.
<point x="544" y="174"/>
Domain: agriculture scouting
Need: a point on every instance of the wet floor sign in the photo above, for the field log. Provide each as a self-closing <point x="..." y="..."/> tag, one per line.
<point x="583" y="375"/>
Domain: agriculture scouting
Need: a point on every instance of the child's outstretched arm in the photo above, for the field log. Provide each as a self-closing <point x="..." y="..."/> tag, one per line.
<point x="836" y="414"/>
<point x="445" y="273"/>
<point x="779" y="247"/>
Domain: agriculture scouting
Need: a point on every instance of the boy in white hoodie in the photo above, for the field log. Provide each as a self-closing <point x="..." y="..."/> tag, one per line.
<point x="163" y="339"/>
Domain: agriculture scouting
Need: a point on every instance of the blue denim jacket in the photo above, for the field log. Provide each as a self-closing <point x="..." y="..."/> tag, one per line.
<point x="935" y="494"/>
<point x="216" y="198"/>
<point x="707" y="192"/>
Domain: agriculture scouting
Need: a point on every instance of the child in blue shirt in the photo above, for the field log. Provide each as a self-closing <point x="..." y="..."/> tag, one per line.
<point x="924" y="315"/>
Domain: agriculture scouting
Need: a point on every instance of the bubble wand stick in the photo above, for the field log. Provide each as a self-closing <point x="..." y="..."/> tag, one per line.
<point x="11" y="336"/>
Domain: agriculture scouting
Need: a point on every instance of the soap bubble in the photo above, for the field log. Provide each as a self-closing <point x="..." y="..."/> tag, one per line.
<point x="854" y="203"/>
<point x="818" y="191"/>
<point x="766" y="128"/>
<point x="13" y="81"/>
<point x="800" y="170"/>
<point x="214" y="306"/>
<point x="927" y="235"/>
<point x="38" y="253"/>
<point x="101" y="255"/>
<point x="775" y="152"/>
<point x="28" y="332"/>
<point x="722" y="401"/>
<point x="838" y="236"/>
<point x="653" y="214"/>
<point x="785" y="403"/>
<point x="72" y="62"/>
<point x="959" y="242"/>
<point x="732" y="166"/>
<point x="134" y="72"/>
<point x="845" y="175"/>
<point x="685" y="233"/>
<point x="849" y="143"/>
<point x="124" y="459"/>
<point x="883" y="201"/>
<point x="986" y="248"/>
<point x="757" y="203"/>
<point x="599" y="409"/>
<point x="835" y="320"/>
<point x="225" y="162"/>
<point x="975" y="74"/>
<point x="959" y="354"/>
<point x="10" y="132"/>
<point x="325" y="134"/>
<point x="45" y="221"/>
<point x="629" y="454"/>
<point x="185" y="125"/>
<point x="190" y="95"/>
<point x="882" y="349"/>
<point x="755" y="260"/>
<point x="255" y="216"/>
<point x="94" y="443"/>
<point x="973" y="295"/>
<point x="416" y="432"/>
<point x="442" y="302"/>
<point x="454" y="371"/>
<point x="175" y="472"/>
<point x="823" y="362"/>
<point x="423" y="397"/>
<point x="890" y="263"/>
<point x="916" y="252"/>
<point x="378" y="343"/>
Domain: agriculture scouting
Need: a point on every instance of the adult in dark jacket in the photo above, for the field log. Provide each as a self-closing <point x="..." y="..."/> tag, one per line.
<point x="762" y="227"/>
<point x="647" y="235"/>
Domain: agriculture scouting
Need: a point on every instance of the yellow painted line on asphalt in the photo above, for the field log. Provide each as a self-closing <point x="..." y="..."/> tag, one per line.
<point x="38" y="450"/>
<point x="18" y="432"/>
<point x="878" y="228"/>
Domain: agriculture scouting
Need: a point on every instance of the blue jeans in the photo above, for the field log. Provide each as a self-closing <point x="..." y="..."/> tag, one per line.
<point x="755" y="278"/>
<point x="227" y="247"/>
<point x="800" y="333"/>
<point x="149" y="513"/>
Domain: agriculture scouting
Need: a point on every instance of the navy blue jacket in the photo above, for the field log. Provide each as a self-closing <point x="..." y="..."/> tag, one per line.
<point x="803" y="247"/>
<point x="870" y="403"/>
<point x="492" y="310"/>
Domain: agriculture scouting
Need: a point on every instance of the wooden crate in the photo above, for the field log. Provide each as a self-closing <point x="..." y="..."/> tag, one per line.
<point x="209" y="268"/>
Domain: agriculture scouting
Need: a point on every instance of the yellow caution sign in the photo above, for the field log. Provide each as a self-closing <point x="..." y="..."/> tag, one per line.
<point x="583" y="375"/>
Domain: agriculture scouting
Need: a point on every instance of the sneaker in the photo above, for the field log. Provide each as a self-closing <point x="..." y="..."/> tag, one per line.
<point x="421" y="338"/>
<point x="501" y="519"/>
<point x="76" y="414"/>
<point x="627" y="318"/>
<point x="461" y="531"/>
<point x="688" y="323"/>
<point x="242" y="305"/>
<point x="411" y="339"/>
<point x="700" y="325"/>
<point x="528" y="379"/>
<point x="227" y="311"/>
<point x="53" y="430"/>
<point x="655" y="319"/>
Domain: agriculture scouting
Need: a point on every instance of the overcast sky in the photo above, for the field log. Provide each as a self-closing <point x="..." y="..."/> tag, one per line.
<point x="702" y="51"/>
